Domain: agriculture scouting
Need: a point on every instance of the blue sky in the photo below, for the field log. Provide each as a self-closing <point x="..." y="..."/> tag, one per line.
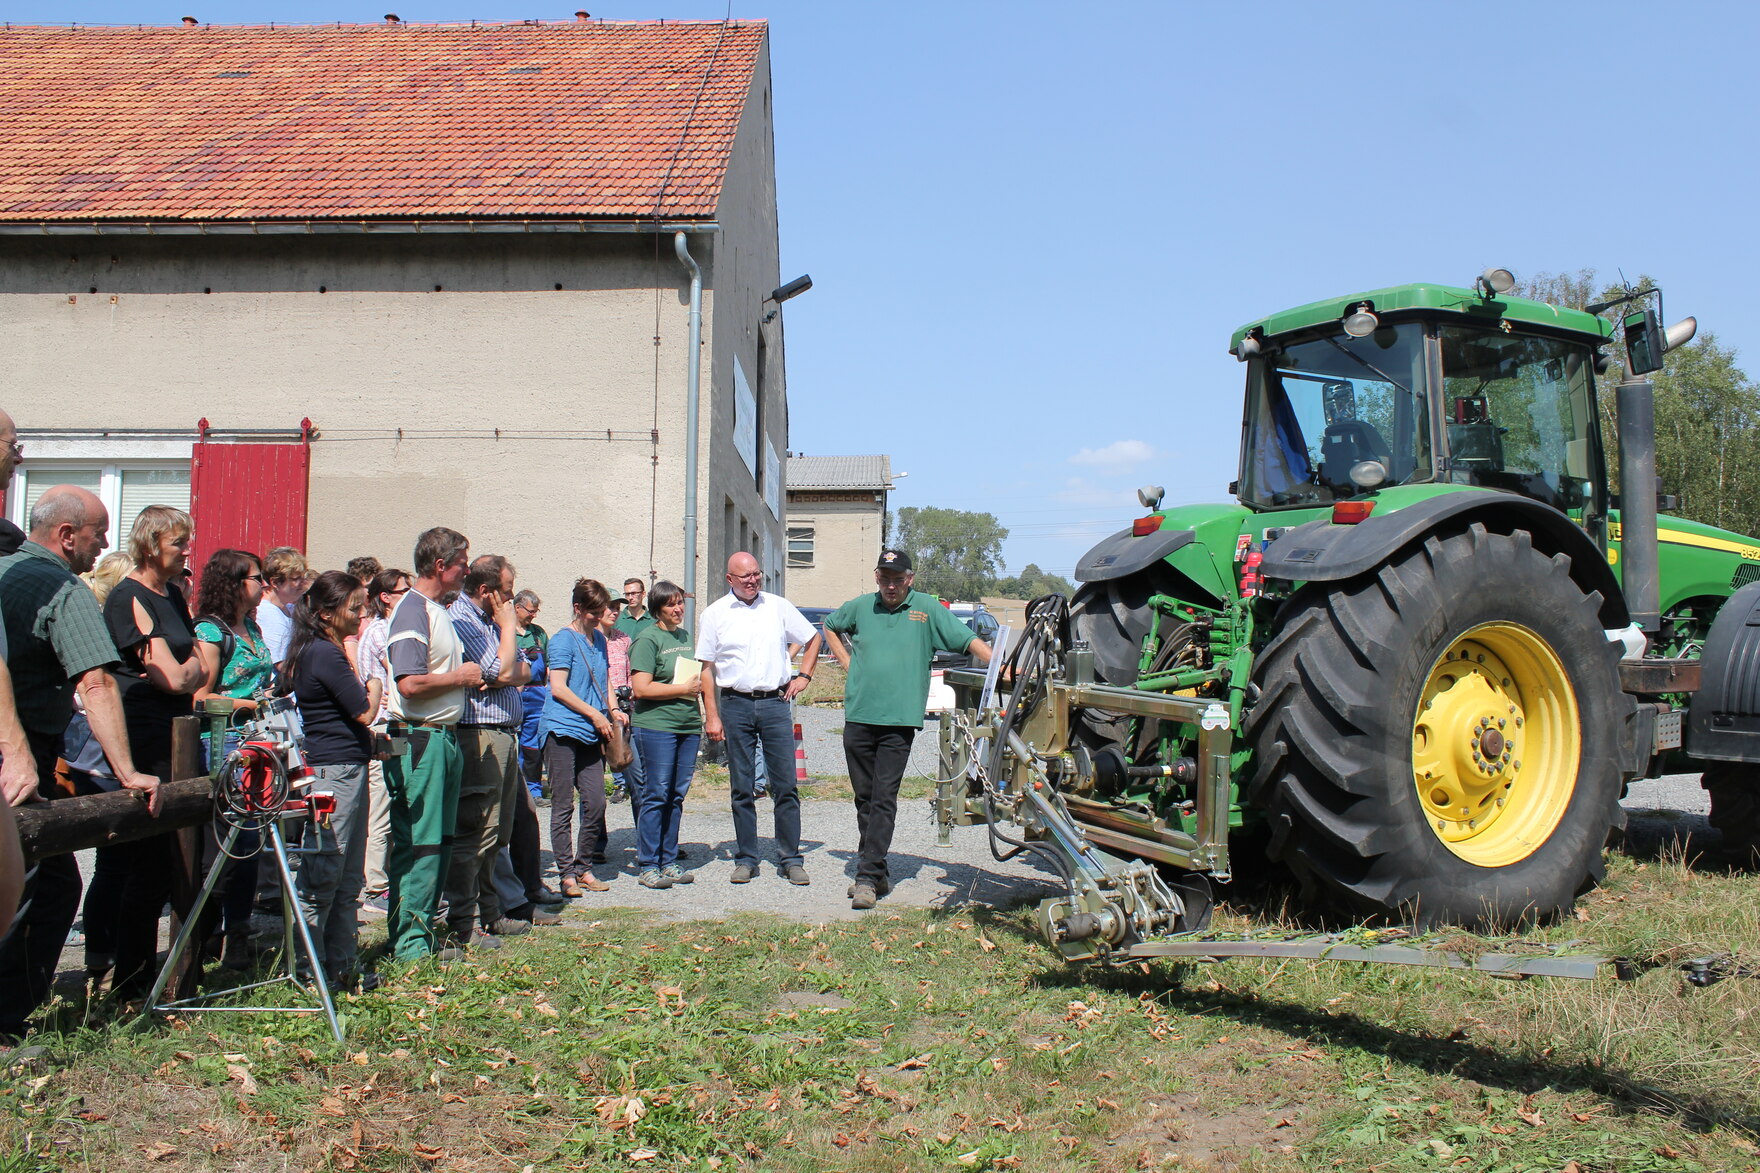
<point x="1032" y="227"/>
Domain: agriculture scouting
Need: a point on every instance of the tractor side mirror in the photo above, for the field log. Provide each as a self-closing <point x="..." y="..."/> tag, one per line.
<point x="1643" y="342"/>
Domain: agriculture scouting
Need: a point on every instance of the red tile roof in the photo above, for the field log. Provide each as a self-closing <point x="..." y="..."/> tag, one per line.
<point x="352" y="122"/>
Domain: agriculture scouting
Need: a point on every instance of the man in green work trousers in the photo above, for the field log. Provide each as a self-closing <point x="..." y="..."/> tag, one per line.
<point x="898" y="631"/>
<point x="432" y="676"/>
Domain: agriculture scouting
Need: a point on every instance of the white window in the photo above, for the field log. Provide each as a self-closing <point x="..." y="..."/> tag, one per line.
<point x="800" y="546"/>
<point x="124" y="488"/>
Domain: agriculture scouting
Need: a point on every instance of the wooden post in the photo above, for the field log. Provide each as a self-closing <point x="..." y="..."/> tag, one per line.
<point x="186" y="762"/>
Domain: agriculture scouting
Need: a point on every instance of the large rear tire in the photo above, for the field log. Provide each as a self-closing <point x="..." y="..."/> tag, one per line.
<point x="1438" y="739"/>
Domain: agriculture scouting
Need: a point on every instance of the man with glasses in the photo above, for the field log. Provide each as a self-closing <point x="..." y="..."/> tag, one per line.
<point x="488" y="737"/>
<point x="58" y="645"/>
<point x="742" y="641"/>
<point x="635" y="617"/>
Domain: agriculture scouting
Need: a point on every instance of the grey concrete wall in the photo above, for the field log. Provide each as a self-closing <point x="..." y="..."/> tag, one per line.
<point x="351" y="331"/>
<point x="746" y="252"/>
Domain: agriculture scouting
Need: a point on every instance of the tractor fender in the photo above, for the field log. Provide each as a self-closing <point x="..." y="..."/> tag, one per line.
<point x="1723" y="722"/>
<point x="1322" y="551"/>
<point x="1125" y="553"/>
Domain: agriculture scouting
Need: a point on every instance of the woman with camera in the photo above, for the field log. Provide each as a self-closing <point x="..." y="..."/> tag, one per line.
<point x="668" y="731"/>
<point x="149" y="621"/>
<point x="337" y="711"/>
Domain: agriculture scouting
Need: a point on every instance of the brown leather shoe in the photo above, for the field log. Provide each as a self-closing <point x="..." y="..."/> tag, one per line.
<point x="571" y="887"/>
<point x="594" y="884"/>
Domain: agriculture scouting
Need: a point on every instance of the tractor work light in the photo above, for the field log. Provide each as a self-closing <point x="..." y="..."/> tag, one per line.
<point x="1360" y="322"/>
<point x="1495" y="281"/>
<point x="1368" y="474"/>
<point x="1150" y="496"/>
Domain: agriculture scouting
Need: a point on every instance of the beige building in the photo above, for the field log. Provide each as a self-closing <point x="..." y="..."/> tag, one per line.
<point x="331" y="286"/>
<point x="836" y="526"/>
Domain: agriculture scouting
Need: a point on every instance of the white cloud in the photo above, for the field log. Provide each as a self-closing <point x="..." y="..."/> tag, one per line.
<point x="1116" y="456"/>
<point x="1079" y="491"/>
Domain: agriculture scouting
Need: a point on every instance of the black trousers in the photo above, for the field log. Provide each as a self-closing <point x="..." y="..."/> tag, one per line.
<point x="876" y="756"/>
<point x="30" y="952"/>
<point x="525" y="848"/>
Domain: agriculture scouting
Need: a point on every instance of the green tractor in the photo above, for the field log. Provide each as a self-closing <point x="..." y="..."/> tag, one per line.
<point x="1415" y="665"/>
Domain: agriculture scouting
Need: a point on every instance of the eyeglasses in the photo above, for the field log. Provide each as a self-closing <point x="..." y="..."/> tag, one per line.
<point x="17" y="450"/>
<point x="256" y="578"/>
<point x="635" y="594"/>
<point x="754" y="576"/>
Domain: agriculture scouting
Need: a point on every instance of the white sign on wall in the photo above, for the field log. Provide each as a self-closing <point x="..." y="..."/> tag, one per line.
<point x="772" y="480"/>
<point x="745" y="417"/>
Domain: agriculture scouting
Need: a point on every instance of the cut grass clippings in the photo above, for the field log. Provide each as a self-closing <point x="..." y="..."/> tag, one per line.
<point x="930" y="1040"/>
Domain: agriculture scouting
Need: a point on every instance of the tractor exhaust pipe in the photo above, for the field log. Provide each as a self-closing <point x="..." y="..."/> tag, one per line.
<point x="1640" y="574"/>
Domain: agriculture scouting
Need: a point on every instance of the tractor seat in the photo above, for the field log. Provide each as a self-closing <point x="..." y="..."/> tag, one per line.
<point x="1345" y="443"/>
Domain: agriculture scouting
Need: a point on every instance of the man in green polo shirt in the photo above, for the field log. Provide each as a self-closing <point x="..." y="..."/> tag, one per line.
<point x="58" y="646"/>
<point x="898" y="630"/>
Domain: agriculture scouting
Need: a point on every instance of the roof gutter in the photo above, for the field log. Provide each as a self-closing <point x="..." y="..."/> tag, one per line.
<point x="341" y="227"/>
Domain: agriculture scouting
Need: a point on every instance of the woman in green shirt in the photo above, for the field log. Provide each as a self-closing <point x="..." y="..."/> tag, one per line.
<point x="667" y="727"/>
<point x="236" y="666"/>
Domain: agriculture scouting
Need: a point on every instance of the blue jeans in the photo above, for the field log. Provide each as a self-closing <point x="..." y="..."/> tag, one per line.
<point x="670" y="759"/>
<point x="746" y="722"/>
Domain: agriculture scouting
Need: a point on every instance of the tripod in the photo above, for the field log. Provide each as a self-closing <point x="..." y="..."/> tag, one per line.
<point x="253" y="792"/>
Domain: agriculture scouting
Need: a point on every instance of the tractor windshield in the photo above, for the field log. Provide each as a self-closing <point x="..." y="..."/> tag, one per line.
<point x="1318" y="409"/>
<point x="1520" y="415"/>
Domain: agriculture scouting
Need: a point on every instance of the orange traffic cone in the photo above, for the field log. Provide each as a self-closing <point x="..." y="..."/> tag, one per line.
<point x="800" y="756"/>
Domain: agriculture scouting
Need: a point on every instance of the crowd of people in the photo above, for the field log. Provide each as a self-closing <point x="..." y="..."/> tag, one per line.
<point x="436" y="712"/>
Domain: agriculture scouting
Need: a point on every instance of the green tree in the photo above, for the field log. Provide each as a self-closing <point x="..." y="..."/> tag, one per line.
<point x="957" y="554"/>
<point x="1033" y="582"/>
<point x="1707" y="413"/>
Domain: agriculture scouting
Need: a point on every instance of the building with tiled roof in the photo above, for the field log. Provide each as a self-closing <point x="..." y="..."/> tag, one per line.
<point x="836" y="525"/>
<point x="464" y="253"/>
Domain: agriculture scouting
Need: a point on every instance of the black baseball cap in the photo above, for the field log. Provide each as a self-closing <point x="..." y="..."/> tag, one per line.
<point x="894" y="560"/>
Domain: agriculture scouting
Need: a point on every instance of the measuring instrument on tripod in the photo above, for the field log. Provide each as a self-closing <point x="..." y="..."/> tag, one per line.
<point x="262" y="783"/>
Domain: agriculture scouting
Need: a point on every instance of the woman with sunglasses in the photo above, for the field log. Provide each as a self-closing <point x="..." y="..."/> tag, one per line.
<point x="237" y="667"/>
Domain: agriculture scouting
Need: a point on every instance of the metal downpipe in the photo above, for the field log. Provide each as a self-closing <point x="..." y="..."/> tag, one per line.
<point x="692" y="397"/>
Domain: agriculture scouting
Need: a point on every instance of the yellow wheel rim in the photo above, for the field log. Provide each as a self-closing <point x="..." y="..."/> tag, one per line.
<point x="1496" y="744"/>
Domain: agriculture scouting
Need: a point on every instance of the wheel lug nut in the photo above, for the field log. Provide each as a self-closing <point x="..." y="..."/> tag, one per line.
<point x="1500" y="722"/>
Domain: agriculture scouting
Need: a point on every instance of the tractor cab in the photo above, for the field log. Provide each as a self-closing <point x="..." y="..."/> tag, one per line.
<point x="1422" y="384"/>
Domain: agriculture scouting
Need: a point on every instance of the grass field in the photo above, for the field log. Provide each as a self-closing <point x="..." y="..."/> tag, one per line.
<point x="940" y="1040"/>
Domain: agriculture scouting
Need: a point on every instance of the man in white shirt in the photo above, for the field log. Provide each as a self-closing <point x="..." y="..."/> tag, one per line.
<point x="742" y="641"/>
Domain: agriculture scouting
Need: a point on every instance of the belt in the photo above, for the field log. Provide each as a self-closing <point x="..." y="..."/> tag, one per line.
<point x="761" y="695"/>
<point x="427" y="724"/>
<point x="486" y="725"/>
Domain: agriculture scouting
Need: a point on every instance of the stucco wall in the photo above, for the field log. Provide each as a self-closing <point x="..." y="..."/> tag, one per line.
<point x="746" y="272"/>
<point x="847" y="537"/>
<point x="351" y="331"/>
